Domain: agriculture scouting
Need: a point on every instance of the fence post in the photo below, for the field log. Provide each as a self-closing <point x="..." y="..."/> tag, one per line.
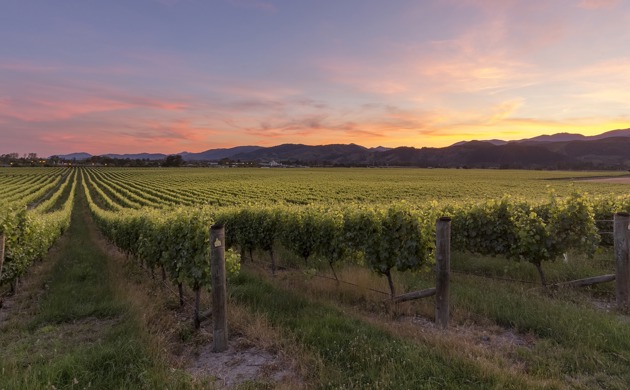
<point x="219" y="296"/>
<point x="443" y="260"/>
<point x="2" y="239"/>
<point x="622" y="260"/>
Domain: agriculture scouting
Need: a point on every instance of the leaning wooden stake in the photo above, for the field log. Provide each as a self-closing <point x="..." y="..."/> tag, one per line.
<point x="414" y="295"/>
<point x="219" y="296"/>
<point x="1" y="253"/>
<point x="443" y="260"/>
<point x="587" y="281"/>
<point x="622" y="259"/>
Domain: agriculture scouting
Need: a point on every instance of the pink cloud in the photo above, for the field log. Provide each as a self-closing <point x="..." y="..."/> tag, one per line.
<point x="38" y="110"/>
<point x="598" y="4"/>
<point x="177" y="130"/>
<point x="167" y="136"/>
<point x="46" y="110"/>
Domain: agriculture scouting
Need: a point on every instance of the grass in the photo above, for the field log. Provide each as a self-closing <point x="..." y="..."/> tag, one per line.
<point x="78" y="332"/>
<point x="577" y="341"/>
<point x="357" y="354"/>
<point x="563" y="339"/>
<point x="575" y="266"/>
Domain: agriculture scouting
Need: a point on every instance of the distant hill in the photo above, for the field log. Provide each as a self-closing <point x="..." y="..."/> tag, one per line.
<point x="218" y="154"/>
<point x="560" y="137"/>
<point x="139" y="156"/>
<point x="307" y="154"/>
<point x="610" y="150"/>
<point x="566" y="137"/>
<point x="490" y="141"/>
<point x="75" y="156"/>
<point x="607" y="153"/>
<point x="610" y="134"/>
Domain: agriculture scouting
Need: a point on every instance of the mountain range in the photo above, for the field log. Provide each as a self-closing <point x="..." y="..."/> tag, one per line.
<point x="610" y="150"/>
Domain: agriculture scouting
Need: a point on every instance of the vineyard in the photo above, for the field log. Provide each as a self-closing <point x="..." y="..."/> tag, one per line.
<point x="35" y="209"/>
<point x="291" y="228"/>
<point x="166" y="219"/>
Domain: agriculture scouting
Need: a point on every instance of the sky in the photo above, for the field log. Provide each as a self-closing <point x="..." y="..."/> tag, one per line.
<point x="166" y="76"/>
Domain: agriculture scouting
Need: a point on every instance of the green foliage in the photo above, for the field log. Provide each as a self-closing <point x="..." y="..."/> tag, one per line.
<point x="30" y="233"/>
<point x="487" y="228"/>
<point x="396" y="237"/>
<point x="329" y="235"/>
<point x="525" y="231"/>
<point x="298" y="230"/>
<point x="232" y="263"/>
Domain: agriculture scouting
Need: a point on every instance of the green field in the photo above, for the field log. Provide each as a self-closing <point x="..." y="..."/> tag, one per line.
<point x="342" y="185"/>
<point x="365" y="225"/>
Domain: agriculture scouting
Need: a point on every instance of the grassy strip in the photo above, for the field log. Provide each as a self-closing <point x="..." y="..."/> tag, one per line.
<point x="576" y="267"/>
<point x="568" y="340"/>
<point x="359" y="355"/>
<point x="578" y="341"/>
<point x="81" y="333"/>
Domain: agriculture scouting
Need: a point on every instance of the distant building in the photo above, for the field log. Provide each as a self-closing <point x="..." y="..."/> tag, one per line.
<point x="271" y="164"/>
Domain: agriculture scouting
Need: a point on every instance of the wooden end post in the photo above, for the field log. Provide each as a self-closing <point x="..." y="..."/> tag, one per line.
<point x="622" y="260"/>
<point x="443" y="260"/>
<point x="219" y="295"/>
<point x="2" y="239"/>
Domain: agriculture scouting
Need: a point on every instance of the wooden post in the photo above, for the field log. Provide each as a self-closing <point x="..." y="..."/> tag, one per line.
<point x="219" y="296"/>
<point x="196" y="319"/>
<point x="180" y="288"/>
<point x="2" y="239"/>
<point x="443" y="260"/>
<point x="273" y="261"/>
<point x="622" y="260"/>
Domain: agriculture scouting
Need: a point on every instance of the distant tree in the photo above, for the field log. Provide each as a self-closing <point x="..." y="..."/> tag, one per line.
<point x="174" y="160"/>
<point x="54" y="160"/>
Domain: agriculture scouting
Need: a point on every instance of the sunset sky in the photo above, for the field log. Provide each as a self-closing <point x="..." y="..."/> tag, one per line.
<point x="129" y="76"/>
